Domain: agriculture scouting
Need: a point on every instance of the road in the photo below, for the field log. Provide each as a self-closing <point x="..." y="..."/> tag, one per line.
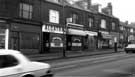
<point x="116" y="66"/>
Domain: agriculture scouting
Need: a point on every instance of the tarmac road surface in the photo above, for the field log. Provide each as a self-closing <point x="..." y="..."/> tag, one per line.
<point x="122" y="66"/>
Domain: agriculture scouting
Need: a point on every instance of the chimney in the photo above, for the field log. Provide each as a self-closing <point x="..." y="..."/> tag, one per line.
<point x="96" y="7"/>
<point x="126" y="22"/>
<point x="110" y="8"/>
<point x="89" y="4"/>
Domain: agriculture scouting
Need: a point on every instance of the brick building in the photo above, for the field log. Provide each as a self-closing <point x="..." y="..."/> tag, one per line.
<point x="49" y="26"/>
<point x="20" y="25"/>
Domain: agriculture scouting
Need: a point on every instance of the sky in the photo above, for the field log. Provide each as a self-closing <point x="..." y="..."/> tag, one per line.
<point x="122" y="9"/>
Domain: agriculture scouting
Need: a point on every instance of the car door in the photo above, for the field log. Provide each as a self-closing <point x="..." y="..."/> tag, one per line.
<point x="9" y="66"/>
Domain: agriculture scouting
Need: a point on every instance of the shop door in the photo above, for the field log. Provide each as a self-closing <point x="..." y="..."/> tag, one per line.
<point x="15" y="41"/>
<point x="68" y="42"/>
<point x="46" y="42"/>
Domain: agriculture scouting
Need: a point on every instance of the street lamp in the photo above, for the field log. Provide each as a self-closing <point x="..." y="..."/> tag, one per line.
<point x="64" y="30"/>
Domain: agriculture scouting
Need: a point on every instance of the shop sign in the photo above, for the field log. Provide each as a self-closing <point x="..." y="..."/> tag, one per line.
<point x="106" y="36"/>
<point x="77" y="44"/>
<point x="76" y="32"/>
<point x="75" y="26"/>
<point x="53" y="29"/>
<point x="114" y="34"/>
<point x="91" y="33"/>
<point x="56" y="42"/>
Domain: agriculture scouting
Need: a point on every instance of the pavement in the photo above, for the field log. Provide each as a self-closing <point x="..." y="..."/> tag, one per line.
<point x="70" y="54"/>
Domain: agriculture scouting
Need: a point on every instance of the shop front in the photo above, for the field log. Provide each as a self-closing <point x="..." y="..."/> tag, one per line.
<point x="19" y="36"/>
<point x="115" y="39"/>
<point x="75" y="39"/>
<point x="122" y="40"/>
<point x="105" y="40"/>
<point x="131" y="37"/>
<point x="90" y="40"/>
<point x="52" y="38"/>
<point x="25" y="37"/>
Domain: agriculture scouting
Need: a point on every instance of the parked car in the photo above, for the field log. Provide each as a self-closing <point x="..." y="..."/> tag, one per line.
<point x="15" y="64"/>
<point x="130" y="48"/>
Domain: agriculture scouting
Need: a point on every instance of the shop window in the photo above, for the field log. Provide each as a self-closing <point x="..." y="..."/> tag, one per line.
<point x="56" y="42"/>
<point x="26" y="10"/>
<point x="54" y="16"/>
<point x="8" y="61"/>
<point x="76" y="42"/>
<point x="29" y="40"/>
<point x="2" y="38"/>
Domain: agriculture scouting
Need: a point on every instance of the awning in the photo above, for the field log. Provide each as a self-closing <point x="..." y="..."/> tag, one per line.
<point x="91" y="33"/>
<point x="76" y="32"/>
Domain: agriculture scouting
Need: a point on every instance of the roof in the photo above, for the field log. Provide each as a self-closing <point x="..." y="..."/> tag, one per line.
<point x="109" y="15"/>
<point x="131" y="25"/>
<point x="8" y="51"/>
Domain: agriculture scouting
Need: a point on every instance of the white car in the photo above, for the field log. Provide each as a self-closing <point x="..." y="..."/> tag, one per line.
<point x="130" y="48"/>
<point x="15" y="64"/>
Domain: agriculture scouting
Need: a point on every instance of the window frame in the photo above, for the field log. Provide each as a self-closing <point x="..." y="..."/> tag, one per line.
<point x="113" y="25"/>
<point x="23" y="11"/>
<point x="103" y="24"/>
<point x="75" y="18"/>
<point x="54" y="16"/>
<point x="90" y="22"/>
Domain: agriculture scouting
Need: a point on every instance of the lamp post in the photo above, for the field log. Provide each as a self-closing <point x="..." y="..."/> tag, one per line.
<point x="64" y="30"/>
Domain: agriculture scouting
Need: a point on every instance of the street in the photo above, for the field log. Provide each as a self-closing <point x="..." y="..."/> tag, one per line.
<point x="115" y="65"/>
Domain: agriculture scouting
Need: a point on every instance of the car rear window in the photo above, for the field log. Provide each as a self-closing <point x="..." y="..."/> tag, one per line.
<point x="7" y="61"/>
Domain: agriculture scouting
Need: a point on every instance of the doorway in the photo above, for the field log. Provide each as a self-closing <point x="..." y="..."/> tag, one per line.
<point x="46" y="42"/>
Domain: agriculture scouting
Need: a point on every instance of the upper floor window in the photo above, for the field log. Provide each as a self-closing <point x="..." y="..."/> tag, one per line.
<point x="103" y="24"/>
<point x="113" y="25"/>
<point x="26" y="10"/>
<point x="121" y="28"/>
<point x="131" y="30"/>
<point x="54" y="16"/>
<point x="91" y="22"/>
<point x="75" y="18"/>
<point x="124" y="28"/>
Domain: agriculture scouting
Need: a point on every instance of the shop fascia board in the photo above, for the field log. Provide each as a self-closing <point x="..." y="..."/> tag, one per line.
<point x="91" y="33"/>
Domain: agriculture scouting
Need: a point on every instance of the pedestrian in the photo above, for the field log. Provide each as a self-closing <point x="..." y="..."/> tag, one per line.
<point x="115" y="46"/>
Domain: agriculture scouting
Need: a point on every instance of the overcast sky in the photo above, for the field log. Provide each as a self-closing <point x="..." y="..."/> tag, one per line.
<point x="123" y="9"/>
